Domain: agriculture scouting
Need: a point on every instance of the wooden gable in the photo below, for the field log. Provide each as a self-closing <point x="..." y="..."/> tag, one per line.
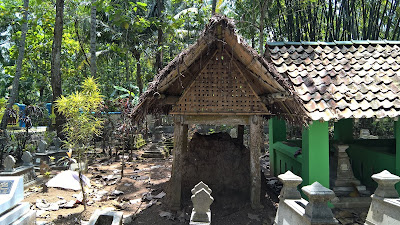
<point x="221" y="87"/>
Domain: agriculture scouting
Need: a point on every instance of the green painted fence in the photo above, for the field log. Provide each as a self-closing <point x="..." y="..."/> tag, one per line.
<point x="369" y="157"/>
<point x="284" y="158"/>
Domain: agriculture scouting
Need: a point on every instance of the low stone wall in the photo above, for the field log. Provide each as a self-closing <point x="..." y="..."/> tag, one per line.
<point x="294" y="210"/>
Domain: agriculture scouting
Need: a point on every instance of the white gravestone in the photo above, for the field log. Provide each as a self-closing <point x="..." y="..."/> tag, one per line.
<point x="12" y="210"/>
<point x="202" y="200"/>
<point x="11" y="192"/>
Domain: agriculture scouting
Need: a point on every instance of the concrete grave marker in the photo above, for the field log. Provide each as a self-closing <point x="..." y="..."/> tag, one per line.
<point x="386" y="182"/>
<point x="27" y="158"/>
<point x="317" y="210"/>
<point x="200" y="186"/>
<point x="42" y="146"/>
<point x="9" y="163"/>
<point x="12" y="210"/>
<point x="11" y="192"/>
<point x="201" y="213"/>
<point x="290" y="182"/>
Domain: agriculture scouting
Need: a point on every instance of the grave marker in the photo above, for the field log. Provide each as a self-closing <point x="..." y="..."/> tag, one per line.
<point x="9" y="163"/>
<point x="12" y="210"/>
<point x="27" y="158"/>
<point x="42" y="146"/>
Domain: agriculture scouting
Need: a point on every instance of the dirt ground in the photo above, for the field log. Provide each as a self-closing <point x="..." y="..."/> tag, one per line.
<point x="141" y="198"/>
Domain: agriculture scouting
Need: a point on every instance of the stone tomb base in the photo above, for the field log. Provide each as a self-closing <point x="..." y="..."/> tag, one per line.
<point x="28" y="173"/>
<point x="19" y="215"/>
<point x="222" y="163"/>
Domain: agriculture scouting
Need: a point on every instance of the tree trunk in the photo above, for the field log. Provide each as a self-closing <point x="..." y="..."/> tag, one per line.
<point x="159" y="56"/>
<point x="139" y="82"/>
<point x="93" y="66"/>
<point x="56" y="64"/>
<point x="214" y="5"/>
<point x="263" y="4"/>
<point x="21" y="52"/>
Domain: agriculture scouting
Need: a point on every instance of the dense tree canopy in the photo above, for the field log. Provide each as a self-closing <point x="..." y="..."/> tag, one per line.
<point x="133" y="39"/>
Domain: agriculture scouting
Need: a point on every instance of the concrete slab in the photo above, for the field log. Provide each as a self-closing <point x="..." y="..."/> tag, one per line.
<point x="11" y="192"/>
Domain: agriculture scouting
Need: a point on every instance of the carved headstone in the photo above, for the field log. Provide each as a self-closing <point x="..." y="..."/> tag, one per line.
<point x="290" y="182"/>
<point x="27" y="158"/>
<point x="9" y="163"/>
<point x="201" y="207"/>
<point x="42" y="146"/>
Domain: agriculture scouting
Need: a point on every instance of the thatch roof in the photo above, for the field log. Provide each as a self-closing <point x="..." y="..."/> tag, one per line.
<point x="219" y="36"/>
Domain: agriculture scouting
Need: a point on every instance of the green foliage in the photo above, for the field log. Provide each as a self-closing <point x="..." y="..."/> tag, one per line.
<point x="79" y="108"/>
<point x="49" y="136"/>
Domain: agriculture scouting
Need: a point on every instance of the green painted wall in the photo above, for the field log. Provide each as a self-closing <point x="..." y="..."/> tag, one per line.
<point x="367" y="160"/>
<point x="397" y="153"/>
<point x="277" y="132"/>
<point x="315" y="154"/>
<point x="343" y="131"/>
<point x="285" y="160"/>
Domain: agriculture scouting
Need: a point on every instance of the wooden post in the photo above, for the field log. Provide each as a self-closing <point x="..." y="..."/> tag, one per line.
<point x="277" y="132"/>
<point x="256" y="142"/>
<point x="180" y="145"/>
<point x="315" y="152"/>
<point x="240" y="133"/>
<point x="397" y="154"/>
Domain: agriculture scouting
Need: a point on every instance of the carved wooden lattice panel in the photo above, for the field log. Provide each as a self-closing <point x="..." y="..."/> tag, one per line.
<point x="219" y="88"/>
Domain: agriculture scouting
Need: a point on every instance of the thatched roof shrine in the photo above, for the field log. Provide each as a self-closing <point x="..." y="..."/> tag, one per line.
<point x="220" y="75"/>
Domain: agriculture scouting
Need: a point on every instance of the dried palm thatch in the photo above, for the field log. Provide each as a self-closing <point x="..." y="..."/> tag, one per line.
<point x="219" y="36"/>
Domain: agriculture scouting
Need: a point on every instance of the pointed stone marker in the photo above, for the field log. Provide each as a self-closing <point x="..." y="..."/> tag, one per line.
<point x="290" y="182"/>
<point x="386" y="182"/>
<point x="317" y="210"/>
<point x="201" y="206"/>
<point x="199" y="186"/>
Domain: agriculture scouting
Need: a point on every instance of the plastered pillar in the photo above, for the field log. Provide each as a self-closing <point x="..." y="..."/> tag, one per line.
<point x="256" y="142"/>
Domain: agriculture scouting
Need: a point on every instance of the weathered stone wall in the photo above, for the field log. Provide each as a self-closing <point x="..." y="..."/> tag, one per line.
<point x="221" y="162"/>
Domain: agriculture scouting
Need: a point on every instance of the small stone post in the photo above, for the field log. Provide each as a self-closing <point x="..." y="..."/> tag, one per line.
<point x="290" y="182"/>
<point x="385" y="204"/>
<point x="386" y="182"/>
<point x="27" y="158"/>
<point x="317" y="210"/>
<point x="9" y="163"/>
<point x="202" y="199"/>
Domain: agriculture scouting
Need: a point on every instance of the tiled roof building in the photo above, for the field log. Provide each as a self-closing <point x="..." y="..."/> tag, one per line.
<point x="346" y="79"/>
